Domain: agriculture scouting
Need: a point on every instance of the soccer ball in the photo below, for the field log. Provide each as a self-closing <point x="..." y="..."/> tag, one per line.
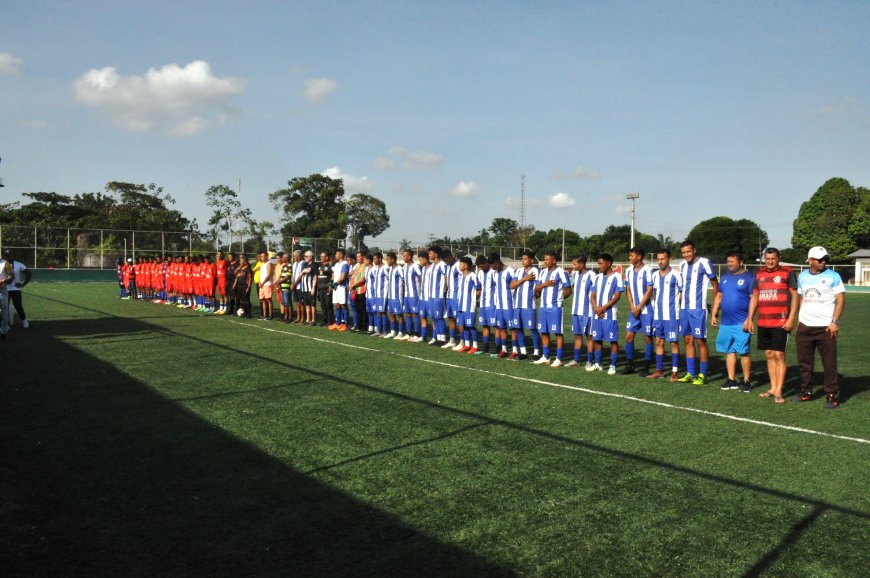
<point x="240" y="312"/>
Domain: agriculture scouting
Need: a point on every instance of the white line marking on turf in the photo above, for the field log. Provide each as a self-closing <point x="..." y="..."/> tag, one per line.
<point x="571" y="387"/>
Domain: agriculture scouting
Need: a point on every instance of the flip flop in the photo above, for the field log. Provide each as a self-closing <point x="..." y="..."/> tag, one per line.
<point x="778" y="399"/>
<point x="766" y="394"/>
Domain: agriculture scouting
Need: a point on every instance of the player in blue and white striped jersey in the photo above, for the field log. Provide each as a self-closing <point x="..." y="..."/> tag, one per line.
<point x="553" y="286"/>
<point x="372" y="294"/>
<point x="394" y="293"/>
<point x="697" y="275"/>
<point x="667" y="286"/>
<point x="437" y="296"/>
<point x="523" y="285"/>
<point x="605" y="297"/>
<point x="453" y="276"/>
<point x="639" y="291"/>
<point x="487" y="294"/>
<point x="413" y="274"/>
<point x="384" y="273"/>
<point x="425" y="290"/>
<point x="466" y="299"/>
<point x="582" y="313"/>
<point x="502" y="302"/>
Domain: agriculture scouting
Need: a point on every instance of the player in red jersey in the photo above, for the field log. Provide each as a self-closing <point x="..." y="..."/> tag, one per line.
<point x="221" y="282"/>
<point x="775" y="298"/>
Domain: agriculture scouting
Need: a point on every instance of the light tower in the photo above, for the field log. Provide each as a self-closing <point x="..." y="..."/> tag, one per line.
<point x="523" y="209"/>
<point x="631" y="197"/>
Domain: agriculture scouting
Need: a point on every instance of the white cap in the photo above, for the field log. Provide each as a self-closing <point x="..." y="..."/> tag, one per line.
<point x="817" y="253"/>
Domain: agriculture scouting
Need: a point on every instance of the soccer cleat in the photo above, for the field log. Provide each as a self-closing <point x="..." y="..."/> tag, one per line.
<point x="729" y="384"/>
<point x="573" y="363"/>
<point x="674" y="377"/>
<point x="433" y="341"/>
<point x="628" y="369"/>
<point x="449" y="345"/>
<point x="832" y="402"/>
<point x="611" y="370"/>
<point x="342" y="327"/>
<point x="522" y="357"/>
<point x="401" y="337"/>
<point x="597" y="367"/>
<point x="25" y="324"/>
<point x="657" y="374"/>
<point x="542" y="361"/>
<point x="700" y="380"/>
<point x="644" y="371"/>
<point x="688" y="378"/>
<point x="480" y="352"/>
<point x="502" y="354"/>
<point x="389" y="335"/>
<point x="745" y="387"/>
<point x="332" y="327"/>
<point x="472" y="351"/>
<point x="513" y="356"/>
<point x="557" y="363"/>
<point x="588" y="366"/>
<point x="459" y="347"/>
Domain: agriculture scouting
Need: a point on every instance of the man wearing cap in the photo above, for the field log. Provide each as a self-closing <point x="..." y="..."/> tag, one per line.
<point x="822" y="299"/>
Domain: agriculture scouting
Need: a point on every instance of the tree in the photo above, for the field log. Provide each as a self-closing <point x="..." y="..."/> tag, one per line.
<point x="311" y="206"/>
<point x="504" y="231"/>
<point x="365" y="216"/>
<point x="836" y="217"/>
<point x="716" y="237"/>
<point x="229" y="216"/>
<point x="145" y="207"/>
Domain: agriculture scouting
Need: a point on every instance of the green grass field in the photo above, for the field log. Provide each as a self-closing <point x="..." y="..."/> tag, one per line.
<point x="138" y="439"/>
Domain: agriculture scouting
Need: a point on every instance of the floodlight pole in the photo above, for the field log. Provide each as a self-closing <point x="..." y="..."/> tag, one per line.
<point x="631" y="197"/>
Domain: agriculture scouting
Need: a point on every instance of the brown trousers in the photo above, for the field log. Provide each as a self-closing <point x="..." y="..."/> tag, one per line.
<point x="808" y="340"/>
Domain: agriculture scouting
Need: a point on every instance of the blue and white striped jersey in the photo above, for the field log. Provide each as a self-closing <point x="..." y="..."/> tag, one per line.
<point x="396" y="283"/>
<point x="413" y="274"/>
<point x="524" y="295"/>
<point x="425" y="283"/>
<point x="696" y="280"/>
<point x="666" y="291"/>
<point x="487" y="289"/>
<point x="582" y="287"/>
<point x="372" y="289"/>
<point x="606" y="287"/>
<point x="384" y="281"/>
<point x="466" y="293"/>
<point x="555" y="295"/>
<point x="453" y="277"/>
<point x="637" y="281"/>
<point x="503" y="297"/>
<point x="438" y="280"/>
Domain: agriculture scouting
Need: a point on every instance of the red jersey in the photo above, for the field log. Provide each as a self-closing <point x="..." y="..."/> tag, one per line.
<point x="221" y="272"/>
<point x="774" y="295"/>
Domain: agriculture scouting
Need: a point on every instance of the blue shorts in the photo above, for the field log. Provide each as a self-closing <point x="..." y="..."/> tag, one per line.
<point x="693" y="323"/>
<point x="550" y="320"/>
<point x="394" y="306"/>
<point x="581" y="325"/>
<point x="285" y="297"/>
<point x="486" y="316"/>
<point x="732" y="339"/>
<point x="525" y="318"/>
<point x="465" y="319"/>
<point x="410" y="305"/>
<point x="605" y="330"/>
<point x="504" y="318"/>
<point x="452" y="307"/>
<point x="639" y="325"/>
<point x="423" y="308"/>
<point x="379" y="305"/>
<point x="437" y="308"/>
<point x="668" y="330"/>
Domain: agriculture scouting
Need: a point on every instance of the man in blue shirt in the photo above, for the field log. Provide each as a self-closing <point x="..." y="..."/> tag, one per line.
<point x="733" y="296"/>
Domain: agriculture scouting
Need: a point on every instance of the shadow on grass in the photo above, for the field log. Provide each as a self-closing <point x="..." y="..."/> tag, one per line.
<point x="103" y="476"/>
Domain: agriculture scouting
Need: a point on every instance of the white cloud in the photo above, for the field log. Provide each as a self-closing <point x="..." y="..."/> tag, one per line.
<point x="585" y="173"/>
<point x="417" y="159"/>
<point x="352" y="184"/>
<point x="383" y="164"/>
<point x="319" y="89"/>
<point x="622" y="209"/>
<point x="561" y="200"/>
<point x="9" y="64"/>
<point x="34" y="123"/>
<point x="465" y="189"/>
<point x="179" y="101"/>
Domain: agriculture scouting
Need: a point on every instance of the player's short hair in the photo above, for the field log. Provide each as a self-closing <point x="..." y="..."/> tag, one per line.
<point x="437" y="250"/>
<point x="467" y="261"/>
<point x="529" y="253"/>
<point x="279" y="254"/>
<point x="772" y="251"/>
<point x="606" y="257"/>
<point x="737" y="254"/>
<point x="687" y="243"/>
<point x="481" y="260"/>
<point x="664" y="250"/>
<point x="408" y="252"/>
<point x="550" y="253"/>
<point x="297" y="252"/>
<point x="446" y="254"/>
<point x="580" y="259"/>
<point x="637" y="251"/>
<point x="378" y="254"/>
<point x="391" y="255"/>
<point x="368" y="256"/>
<point x="309" y="253"/>
<point x="341" y="251"/>
<point x="423" y="255"/>
<point x="493" y="258"/>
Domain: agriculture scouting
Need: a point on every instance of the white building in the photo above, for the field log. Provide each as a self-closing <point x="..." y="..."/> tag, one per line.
<point x="862" y="267"/>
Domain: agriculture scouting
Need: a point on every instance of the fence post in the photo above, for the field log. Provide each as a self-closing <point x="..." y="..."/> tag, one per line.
<point x="133" y="253"/>
<point x="190" y="243"/>
<point x="34" y="247"/>
<point x="67" y="248"/>
<point x="162" y="245"/>
<point x="101" y="248"/>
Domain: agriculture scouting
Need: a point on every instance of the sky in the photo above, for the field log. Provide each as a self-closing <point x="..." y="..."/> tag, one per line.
<point x="738" y="109"/>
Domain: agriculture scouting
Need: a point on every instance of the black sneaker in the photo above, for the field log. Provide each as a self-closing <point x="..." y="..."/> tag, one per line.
<point x="534" y="358"/>
<point x="804" y="395"/>
<point x="745" y="387"/>
<point x="628" y="369"/>
<point x="729" y="384"/>
<point x="833" y="401"/>
<point x="522" y="357"/>
<point x="644" y="371"/>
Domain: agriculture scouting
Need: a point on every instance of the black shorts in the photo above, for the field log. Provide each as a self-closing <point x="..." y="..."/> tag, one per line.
<point x="299" y="296"/>
<point x="307" y="298"/>
<point x="772" y="338"/>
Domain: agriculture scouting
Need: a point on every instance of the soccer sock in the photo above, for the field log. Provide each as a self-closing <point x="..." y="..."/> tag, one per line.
<point x="559" y="353"/>
<point x="577" y="354"/>
<point x="452" y="333"/>
<point x="675" y="361"/>
<point x="516" y="344"/>
<point x="598" y="355"/>
<point x="473" y="332"/>
<point x="546" y="352"/>
<point x="690" y="365"/>
<point x="705" y="366"/>
<point x="423" y="332"/>
<point x="614" y="357"/>
<point x="497" y="343"/>
<point x="648" y="352"/>
<point x="417" y="323"/>
<point x="536" y="339"/>
<point x="590" y="355"/>
<point x="660" y="362"/>
<point x="629" y="350"/>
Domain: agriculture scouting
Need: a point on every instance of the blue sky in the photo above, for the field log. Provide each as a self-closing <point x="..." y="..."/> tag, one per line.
<point x="740" y="109"/>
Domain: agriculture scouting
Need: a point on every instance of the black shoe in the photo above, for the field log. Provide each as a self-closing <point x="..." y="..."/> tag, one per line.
<point x="644" y="371"/>
<point x="522" y="357"/>
<point x="833" y="401"/>
<point x="804" y="395"/>
<point x="729" y="384"/>
<point x="628" y="369"/>
<point x="745" y="387"/>
<point x="534" y="358"/>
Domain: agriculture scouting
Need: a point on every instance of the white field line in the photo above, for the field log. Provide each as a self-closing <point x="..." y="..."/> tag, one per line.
<point x="571" y="387"/>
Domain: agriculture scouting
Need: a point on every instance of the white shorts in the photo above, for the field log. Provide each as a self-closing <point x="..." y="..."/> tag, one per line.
<point x="339" y="295"/>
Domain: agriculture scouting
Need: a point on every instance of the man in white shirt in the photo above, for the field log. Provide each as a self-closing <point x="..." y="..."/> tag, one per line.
<point x="21" y="276"/>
